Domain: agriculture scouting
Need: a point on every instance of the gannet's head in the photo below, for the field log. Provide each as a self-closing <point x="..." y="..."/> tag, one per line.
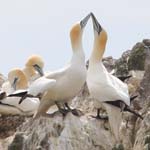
<point x="35" y="62"/>
<point x="17" y="79"/>
<point x="100" y="34"/>
<point x="76" y="32"/>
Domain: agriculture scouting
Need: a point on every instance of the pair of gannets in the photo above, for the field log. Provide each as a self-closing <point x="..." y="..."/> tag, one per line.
<point x="106" y="88"/>
<point x="17" y="81"/>
<point x="33" y="70"/>
<point x="64" y="84"/>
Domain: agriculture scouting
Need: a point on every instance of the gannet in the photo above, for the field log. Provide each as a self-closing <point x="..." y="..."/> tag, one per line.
<point x="70" y="78"/>
<point x="15" y="76"/>
<point x="103" y="86"/>
<point x="9" y="105"/>
<point x="33" y="68"/>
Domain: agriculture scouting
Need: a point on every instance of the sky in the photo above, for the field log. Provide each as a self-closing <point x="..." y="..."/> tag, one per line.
<point x="42" y="27"/>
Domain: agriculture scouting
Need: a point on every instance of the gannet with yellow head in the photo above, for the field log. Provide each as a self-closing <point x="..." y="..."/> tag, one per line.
<point x="34" y="68"/>
<point x="17" y="79"/>
<point x="15" y="76"/>
<point x="9" y="105"/>
<point x="103" y="86"/>
<point x="69" y="79"/>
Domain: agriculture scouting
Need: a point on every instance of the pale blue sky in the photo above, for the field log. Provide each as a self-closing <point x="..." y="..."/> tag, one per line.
<point x="42" y="27"/>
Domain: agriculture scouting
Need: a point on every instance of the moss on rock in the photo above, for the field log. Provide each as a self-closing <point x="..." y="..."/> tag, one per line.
<point x="137" y="58"/>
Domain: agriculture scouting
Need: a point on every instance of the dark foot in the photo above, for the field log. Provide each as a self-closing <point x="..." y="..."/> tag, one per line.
<point x="63" y="111"/>
<point x="123" y="78"/>
<point x="75" y="112"/>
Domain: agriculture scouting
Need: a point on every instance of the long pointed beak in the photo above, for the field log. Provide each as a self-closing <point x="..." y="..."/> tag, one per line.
<point x="14" y="84"/>
<point x="39" y="69"/>
<point x="84" y="21"/>
<point x="97" y="27"/>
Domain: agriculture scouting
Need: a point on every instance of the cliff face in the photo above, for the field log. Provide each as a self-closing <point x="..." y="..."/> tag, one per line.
<point x="86" y="133"/>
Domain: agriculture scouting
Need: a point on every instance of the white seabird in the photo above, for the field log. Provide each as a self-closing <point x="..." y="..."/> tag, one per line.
<point x="9" y="105"/>
<point x="15" y="76"/>
<point x="69" y="79"/>
<point x="34" y="68"/>
<point x="103" y="86"/>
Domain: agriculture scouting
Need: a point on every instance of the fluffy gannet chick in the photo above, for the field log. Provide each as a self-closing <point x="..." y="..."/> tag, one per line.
<point x="103" y="86"/>
<point x="16" y="80"/>
<point x="34" y="68"/>
<point x="70" y="78"/>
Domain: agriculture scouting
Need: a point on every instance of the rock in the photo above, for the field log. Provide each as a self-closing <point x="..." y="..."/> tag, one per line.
<point x="69" y="133"/>
<point x="144" y="89"/>
<point x="118" y="147"/>
<point x="121" y="64"/>
<point x="137" y="57"/>
<point x="135" y="81"/>
<point x="17" y="142"/>
<point x="109" y="63"/>
<point x="9" y="124"/>
<point x="146" y="42"/>
<point x="85" y="133"/>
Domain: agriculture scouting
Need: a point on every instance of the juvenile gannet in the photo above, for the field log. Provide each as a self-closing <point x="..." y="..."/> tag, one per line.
<point x="9" y="105"/>
<point x="104" y="86"/>
<point x="33" y="68"/>
<point x="15" y="76"/>
<point x="71" y="77"/>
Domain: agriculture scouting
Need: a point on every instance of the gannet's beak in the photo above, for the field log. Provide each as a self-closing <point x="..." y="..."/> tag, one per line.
<point x="97" y="27"/>
<point x="84" y="21"/>
<point x="39" y="69"/>
<point x="14" y="84"/>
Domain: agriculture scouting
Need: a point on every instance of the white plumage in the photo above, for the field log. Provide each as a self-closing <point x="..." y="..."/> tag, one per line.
<point x="103" y="85"/>
<point x="9" y="105"/>
<point x="27" y="107"/>
<point x="66" y="82"/>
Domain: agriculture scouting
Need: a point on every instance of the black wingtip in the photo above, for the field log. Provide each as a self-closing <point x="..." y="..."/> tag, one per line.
<point x="20" y="101"/>
<point x="118" y="104"/>
<point x="123" y="78"/>
<point x="21" y="94"/>
<point x="133" y="97"/>
<point x="133" y="112"/>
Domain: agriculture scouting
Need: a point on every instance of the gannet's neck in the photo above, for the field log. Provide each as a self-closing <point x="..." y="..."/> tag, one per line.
<point x="29" y="72"/>
<point x="22" y="84"/>
<point x="98" y="47"/>
<point x="97" y="67"/>
<point x="78" y="54"/>
<point x="77" y="48"/>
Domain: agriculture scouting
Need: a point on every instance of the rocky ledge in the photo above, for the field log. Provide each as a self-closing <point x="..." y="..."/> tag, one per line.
<point x="84" y="132"/>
